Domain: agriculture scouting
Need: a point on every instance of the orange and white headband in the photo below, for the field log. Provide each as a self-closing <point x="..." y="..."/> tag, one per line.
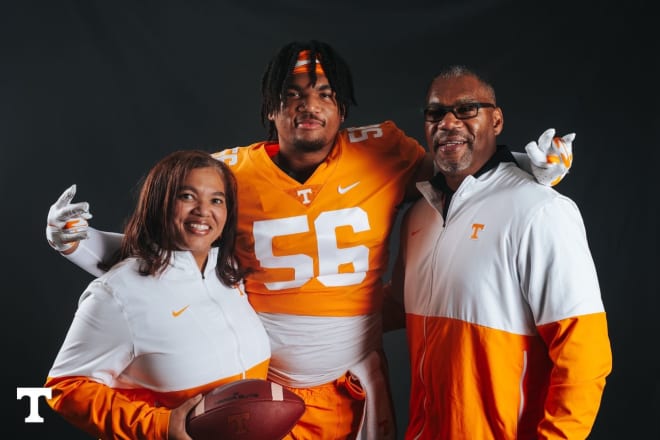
<point x="303" y="60"/>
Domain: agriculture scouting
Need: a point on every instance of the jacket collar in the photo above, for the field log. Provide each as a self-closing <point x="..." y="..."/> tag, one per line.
<point x="184" y="262"/>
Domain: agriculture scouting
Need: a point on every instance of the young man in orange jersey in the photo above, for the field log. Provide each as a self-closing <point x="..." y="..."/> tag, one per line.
<point x="317" y="205"/>
<point x="506" y="327"/>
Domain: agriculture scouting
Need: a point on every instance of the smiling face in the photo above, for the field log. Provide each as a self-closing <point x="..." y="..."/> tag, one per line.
<point x="309" y="118"/>
<point x="200" y="212"/>
<point x="462" y="146"/>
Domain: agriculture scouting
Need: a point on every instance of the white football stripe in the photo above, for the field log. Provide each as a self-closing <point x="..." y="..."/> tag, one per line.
<point x="277" y="391"/>
<point x="199" y="408"/>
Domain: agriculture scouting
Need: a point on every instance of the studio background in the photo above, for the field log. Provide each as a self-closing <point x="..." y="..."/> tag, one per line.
<point x="95" y="92"/>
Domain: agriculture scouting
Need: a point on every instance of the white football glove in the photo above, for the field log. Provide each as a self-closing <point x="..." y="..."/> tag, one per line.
<point x="551" y="158"/>
<point x="67" y="223"/>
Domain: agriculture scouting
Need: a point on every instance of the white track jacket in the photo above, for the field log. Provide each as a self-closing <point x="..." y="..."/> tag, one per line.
<point x="505" y="323"/>
<point x="141" y="345"/>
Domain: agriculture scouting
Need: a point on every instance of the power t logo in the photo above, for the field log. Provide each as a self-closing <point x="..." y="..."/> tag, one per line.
<point x="33" y="395"/>
<point x="476" y="227"/>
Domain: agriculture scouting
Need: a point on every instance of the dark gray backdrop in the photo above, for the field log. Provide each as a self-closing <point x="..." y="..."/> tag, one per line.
<point x="95" y="92"/>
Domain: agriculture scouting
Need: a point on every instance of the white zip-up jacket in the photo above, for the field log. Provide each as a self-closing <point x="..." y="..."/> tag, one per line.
<point x="505" y="322"/>
<point x="139" y="346"/>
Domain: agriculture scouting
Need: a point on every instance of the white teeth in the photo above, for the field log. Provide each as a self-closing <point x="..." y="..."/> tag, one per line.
<point x="450" y="144"/>
<point x="199" y="226"/>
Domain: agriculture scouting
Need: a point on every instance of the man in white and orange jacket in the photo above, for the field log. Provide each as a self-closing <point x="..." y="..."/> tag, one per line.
<point x="506" y="327"/>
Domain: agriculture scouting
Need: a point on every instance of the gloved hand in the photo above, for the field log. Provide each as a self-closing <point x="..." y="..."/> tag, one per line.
<point x="67" y="223"/>
<point x="551" y="158"/>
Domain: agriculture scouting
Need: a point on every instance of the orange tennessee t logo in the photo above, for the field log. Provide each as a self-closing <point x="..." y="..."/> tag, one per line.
<point x="476" y="227"/>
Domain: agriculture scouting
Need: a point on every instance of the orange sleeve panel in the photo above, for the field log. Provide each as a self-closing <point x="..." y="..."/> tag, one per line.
<point x="467" y="376"/>
<point x="581" y="355"/>
<point x="110" y="413"/>
<point x="106" y="413"/>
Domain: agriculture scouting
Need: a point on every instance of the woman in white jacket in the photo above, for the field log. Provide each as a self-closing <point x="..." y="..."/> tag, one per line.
<point x="170" y="320"/>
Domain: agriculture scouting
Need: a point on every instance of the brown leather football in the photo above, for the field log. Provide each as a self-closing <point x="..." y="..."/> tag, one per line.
<point x="249" y="409"/>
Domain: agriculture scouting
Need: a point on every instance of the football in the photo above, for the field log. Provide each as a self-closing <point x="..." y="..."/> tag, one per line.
<point x="248" y="409"/>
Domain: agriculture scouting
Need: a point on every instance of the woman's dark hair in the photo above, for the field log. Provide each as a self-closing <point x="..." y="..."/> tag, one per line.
<point x="150" y="233"/>
<point x="275" y="79"/>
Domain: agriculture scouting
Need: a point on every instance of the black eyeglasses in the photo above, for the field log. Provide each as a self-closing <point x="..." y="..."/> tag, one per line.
<point x="436" y="112"/>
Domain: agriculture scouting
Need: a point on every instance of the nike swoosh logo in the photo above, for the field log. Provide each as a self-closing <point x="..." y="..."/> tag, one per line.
<point x="415" y="232"/>
<point x="176" y="313"/>
<point x="341" y="190"/>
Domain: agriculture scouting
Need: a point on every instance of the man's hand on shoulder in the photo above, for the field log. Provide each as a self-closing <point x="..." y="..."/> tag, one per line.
<point x="67" y="222"/>
<point x="551" y="158"/>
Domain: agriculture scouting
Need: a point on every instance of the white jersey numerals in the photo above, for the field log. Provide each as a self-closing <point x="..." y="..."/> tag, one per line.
<point x="359" y="134"/>
<point x="330" y="256"/>
<point x="230" y="157"/>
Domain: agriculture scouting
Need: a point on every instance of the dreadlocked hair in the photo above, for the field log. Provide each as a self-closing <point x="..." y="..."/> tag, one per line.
<point x="278" y="72"/>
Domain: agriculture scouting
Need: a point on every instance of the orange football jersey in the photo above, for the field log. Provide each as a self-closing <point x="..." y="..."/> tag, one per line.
<point x="320" y="248"/>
